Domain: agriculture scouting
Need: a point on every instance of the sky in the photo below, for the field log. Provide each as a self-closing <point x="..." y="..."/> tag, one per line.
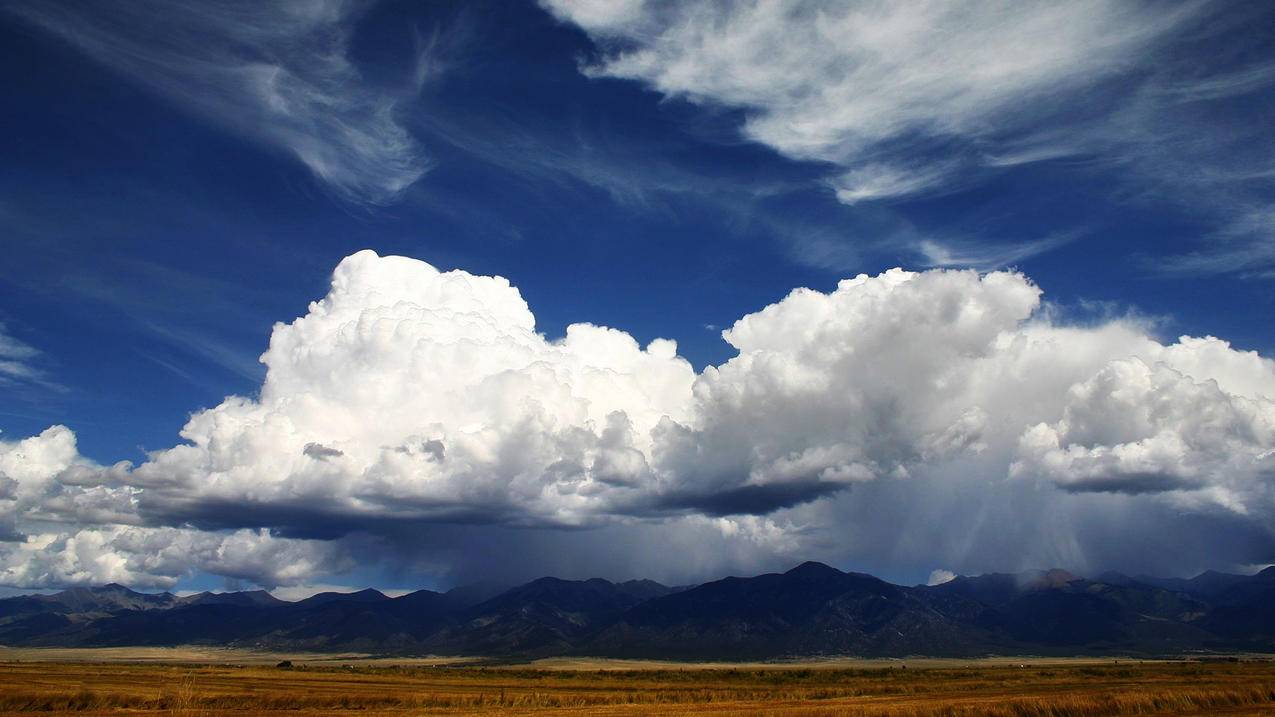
<point x="322" y="293"/>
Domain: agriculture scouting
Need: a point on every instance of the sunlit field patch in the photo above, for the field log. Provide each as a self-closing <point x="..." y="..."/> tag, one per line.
<point x="950" y="690"/>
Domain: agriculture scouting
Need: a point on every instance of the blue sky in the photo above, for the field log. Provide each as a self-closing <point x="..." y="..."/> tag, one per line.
<point x="177" y="179"/>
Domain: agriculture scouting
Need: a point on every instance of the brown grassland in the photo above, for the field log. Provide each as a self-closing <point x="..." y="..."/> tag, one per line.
<point x="1061" y="688"/>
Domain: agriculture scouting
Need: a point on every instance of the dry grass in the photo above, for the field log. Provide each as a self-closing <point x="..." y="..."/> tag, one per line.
<point x="1062" y="690"/>
<point x="208" y="655"/>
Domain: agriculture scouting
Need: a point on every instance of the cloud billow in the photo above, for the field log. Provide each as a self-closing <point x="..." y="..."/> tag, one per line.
<point x="410" y="396"/>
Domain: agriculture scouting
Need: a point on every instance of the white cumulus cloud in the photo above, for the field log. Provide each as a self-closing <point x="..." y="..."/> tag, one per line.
<point x="423" y="394"/>
<point x="415" y="406"/>
<point x="1149" y="427"/>
<point x="159" y="557"/>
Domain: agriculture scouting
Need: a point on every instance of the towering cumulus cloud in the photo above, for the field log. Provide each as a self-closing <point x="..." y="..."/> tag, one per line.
<point x="415" y="394"/>
<point x="410" y="401"/>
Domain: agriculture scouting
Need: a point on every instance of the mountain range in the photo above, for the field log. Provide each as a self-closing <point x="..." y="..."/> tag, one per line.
<point x="811" y="610"/>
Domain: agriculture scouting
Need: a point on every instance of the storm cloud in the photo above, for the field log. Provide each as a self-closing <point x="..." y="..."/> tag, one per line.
<point x="416" y="417"/>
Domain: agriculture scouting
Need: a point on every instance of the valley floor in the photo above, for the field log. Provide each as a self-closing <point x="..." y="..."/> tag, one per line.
<point x="238" y="683"/>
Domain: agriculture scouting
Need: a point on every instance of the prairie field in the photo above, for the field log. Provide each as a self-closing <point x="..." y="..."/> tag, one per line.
<point x="58" y="685"/>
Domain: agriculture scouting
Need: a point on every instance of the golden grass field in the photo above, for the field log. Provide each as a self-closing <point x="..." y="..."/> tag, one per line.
<point x="221" y="682"/>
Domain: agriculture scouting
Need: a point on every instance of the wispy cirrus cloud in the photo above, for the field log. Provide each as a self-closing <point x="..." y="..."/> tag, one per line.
<point x="15" y="357"/>
<point x="870" y="86"/>
<point x="1244" y="246"/>
<point x="18" y="364"/>
<point x="981" y="256"/>
<point x="906" y="101"/>
<point x="277" y="73"/>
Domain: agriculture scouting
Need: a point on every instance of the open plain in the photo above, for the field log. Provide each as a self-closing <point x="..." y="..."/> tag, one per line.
<point x="227" y="682"/>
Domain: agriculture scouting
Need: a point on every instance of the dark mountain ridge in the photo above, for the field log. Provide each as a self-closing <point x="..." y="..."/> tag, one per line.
<point x="811" y="610"/>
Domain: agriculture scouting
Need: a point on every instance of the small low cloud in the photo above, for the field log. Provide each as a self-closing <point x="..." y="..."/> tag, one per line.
<point x="940" y="576"/>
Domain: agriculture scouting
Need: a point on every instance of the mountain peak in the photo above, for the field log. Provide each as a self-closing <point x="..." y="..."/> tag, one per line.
<point x="108" y="589"/>
<point x="812" y="569"/>
<point x="368" y="595"/>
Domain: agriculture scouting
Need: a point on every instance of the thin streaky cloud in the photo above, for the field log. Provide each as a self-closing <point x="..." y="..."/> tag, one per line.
<point x="923" y="99"/>
<point x="883" y="181"/>
<point x="18" y="365"/>
<point x="1238" y="82"/>
<point x="1245" y="246"/>
<point x="867" y="86"/>
<point x="986" y="256"/>
<point x="277" y="73"/>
